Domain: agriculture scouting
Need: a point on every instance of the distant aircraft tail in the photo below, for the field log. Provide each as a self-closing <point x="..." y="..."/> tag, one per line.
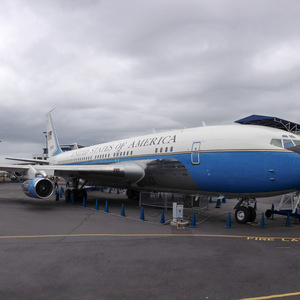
<point x="52" y="141"/>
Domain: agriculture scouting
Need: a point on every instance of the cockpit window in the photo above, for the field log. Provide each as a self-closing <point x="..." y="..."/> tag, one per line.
<point x="276" y="142"/>
<point x="288" y="143"/>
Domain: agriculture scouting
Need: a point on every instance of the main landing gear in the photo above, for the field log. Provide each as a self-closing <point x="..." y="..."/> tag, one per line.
<point x="244" y="212"/>
<point x="77" y="193"/>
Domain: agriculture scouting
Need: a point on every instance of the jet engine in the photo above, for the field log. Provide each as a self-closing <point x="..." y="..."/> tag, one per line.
<point x="38" y="187"/>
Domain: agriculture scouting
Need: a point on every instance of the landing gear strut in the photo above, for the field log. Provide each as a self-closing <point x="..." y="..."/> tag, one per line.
<point x="244" y="212"/>
<point x="77" y="193"/>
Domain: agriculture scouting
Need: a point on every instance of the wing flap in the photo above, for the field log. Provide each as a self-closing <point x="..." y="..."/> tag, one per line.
<point x="129" y="173"/>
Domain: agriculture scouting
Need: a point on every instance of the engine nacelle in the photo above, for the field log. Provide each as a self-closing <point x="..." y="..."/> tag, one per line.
<point x="38" y="187"/>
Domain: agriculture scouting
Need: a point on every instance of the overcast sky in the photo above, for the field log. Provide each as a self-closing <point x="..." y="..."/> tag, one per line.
<point x="119" y="68"/>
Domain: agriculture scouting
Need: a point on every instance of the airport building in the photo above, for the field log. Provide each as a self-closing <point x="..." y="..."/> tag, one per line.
<point x="64" y="148"/>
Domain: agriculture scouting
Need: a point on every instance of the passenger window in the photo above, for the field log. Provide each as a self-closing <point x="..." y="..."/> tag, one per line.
<point x="171" y="149"/>
<point x="276" y="142"/>
<point x="288" y="143"/>
<point x="166" y="150"/>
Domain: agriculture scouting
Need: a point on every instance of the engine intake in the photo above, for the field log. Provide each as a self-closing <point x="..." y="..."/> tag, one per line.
<point x="38" y="188"/>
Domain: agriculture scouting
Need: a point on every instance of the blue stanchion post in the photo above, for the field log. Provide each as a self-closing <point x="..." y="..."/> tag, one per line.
<point x="57" y="195"/>
<point x="106" y="207"/>
<point x="218" y="205"/>
<point x="96" y="205"/>
<point x="228" y="223"/>
<point x="83" y="202"/>
<point x="61" y="192"/>
<point x="193" y="224"/>
<point x="123" y="211"/>
<point x="262" y="221"/>
<point x="162" y="219"/>
<point x="142" y="216"/>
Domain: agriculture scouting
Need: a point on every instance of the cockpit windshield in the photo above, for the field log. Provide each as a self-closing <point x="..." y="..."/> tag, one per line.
<point x="285" y="142"/>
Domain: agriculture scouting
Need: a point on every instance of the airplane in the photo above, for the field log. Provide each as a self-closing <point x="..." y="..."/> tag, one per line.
<point x="236" y="161"/>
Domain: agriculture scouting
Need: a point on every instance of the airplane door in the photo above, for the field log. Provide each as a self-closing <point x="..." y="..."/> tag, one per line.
<point x="195" y="156"/>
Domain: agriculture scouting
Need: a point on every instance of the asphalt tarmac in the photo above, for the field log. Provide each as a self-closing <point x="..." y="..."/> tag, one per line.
<point x="55" y="250"/>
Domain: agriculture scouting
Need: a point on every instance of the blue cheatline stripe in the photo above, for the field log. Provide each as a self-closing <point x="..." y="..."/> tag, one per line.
<point x="234" y="172"/>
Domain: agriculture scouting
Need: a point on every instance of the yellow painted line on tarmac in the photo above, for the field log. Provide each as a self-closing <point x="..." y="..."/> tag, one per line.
<point x="273" y="296"/>
<point x="249" y="238"/>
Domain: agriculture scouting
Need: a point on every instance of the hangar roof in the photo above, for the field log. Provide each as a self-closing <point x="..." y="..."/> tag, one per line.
<point x="271" y="122"/>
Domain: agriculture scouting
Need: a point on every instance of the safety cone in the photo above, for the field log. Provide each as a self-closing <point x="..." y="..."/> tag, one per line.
<point x="218" y="205"/>
<point x="288" y="223"/>
<point x="228" y="224"/>
<point x="142" y="216"/>
<point x="83" y="202"/>
<point x="193" y="224"/>
<point x="210" y="199"/>
<point x="122" y="211"/>
<point x="223" y="200"/>
<point x="255" y="206"/>
<point x="106" y="207"/>
<point x="262" y="221"/>
<point x="96" y="205"/>
<point x="162" y="219"/>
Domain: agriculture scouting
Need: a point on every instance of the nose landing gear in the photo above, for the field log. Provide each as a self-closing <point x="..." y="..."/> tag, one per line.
<point x="245" y="213"/>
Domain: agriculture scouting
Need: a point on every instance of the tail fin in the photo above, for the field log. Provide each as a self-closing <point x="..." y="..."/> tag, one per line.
<point x="52" y="141"/>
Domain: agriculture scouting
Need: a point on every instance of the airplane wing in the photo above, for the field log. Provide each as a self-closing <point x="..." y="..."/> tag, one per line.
<point x="127" y="173"/>
<point x="29" y="160"/>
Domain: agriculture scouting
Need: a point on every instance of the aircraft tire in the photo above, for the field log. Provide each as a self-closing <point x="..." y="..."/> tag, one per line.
<point x="242" y="215"/>
<point x="68" y="195"/>
<point x="82" y="194"/>
<point x="252" y="214"/>
<point x="75" y="195"/>
<point x="133" y="195"/>
<point x="268" y="213"/>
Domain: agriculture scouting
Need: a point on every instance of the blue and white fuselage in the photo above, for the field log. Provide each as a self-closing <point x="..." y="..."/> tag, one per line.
<point x="234" y="160"/>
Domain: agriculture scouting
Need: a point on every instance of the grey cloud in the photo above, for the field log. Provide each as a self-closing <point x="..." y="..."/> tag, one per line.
<point x="119" y="68"/>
